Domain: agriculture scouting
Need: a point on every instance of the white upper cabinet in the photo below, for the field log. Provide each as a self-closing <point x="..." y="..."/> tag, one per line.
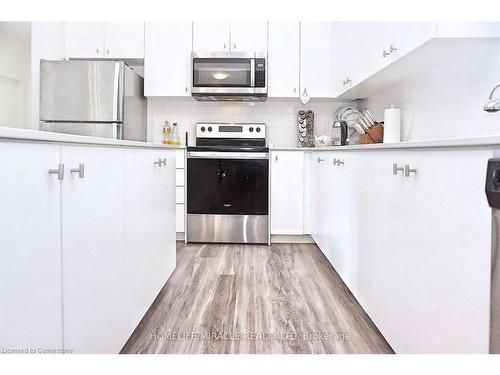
<point x="230" y="36"/>
<point x="104" y="40"/>
<point x="84" y="39"/>
<point x="167" y="50"/>
<point x="399" y="38"/>
<point x="468" y="29"/>
<point x="283" y="59"/>
<point x="316" y="73"/>
<point x="287" y="204"/>
<point x="124" y="40"/>
<point x="356" y="53"/>
<point x="249" y="36"/>
<point x="211" y="36"/>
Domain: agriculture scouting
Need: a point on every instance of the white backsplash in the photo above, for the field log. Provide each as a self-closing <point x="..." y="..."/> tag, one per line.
<point x="280" y="115"/>
<point x="446" y="99"/>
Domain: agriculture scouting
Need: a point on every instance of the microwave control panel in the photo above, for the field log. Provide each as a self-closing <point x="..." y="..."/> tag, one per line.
<point x="260" y="72"/>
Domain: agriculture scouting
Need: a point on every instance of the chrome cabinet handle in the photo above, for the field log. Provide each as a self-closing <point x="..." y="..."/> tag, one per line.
<point x="295" y="90"/>
<point x="396" y="169"/>
<point x="340" y="162"/>
<point x="392" y="48"/>
<point x="160" y="162"/>
<point x="385" y="54"/>
<point x="234" y="46"/>
<point x="97" y="50"/>
<point x="80" y="170"/>
<point x="224" y="45"/>
<point x="346" y="81"/>
<point x="320" y="160"/>
<point x="276" y="157"/>
<point x="409" y="170"/>
<point x="186" y="89"/>
<point x="59" y="171"/>
<point x="107" y="51"/>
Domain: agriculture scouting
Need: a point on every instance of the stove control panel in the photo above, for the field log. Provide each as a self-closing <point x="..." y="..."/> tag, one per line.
<point x="231" y="130"/>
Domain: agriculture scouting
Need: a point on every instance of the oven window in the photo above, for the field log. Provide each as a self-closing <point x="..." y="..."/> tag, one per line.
<point x="221" y="72"/>
<point x="227" y="186"/>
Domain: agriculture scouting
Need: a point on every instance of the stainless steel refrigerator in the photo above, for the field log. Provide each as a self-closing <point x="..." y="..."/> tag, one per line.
<point x="95" y="98"/>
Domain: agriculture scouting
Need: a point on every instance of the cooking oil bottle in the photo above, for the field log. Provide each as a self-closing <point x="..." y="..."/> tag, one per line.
<point x="167" y="133"/>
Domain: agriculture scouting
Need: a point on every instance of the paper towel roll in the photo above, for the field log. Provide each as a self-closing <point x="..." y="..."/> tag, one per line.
<point x="392" y="125"/>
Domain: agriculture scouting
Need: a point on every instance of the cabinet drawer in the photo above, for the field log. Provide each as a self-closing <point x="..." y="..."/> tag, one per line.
<point x="179" y="177"/>
<point x="179" y="194"/>
<point x="179" y="218"/>
<point x="179" y="158"/>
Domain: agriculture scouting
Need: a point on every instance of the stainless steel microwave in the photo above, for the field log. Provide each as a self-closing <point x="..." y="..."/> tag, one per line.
<point x="229" y="76"/>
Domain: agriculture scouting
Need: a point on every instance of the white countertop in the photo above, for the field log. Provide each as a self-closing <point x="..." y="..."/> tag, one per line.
<point x="490" y="141"/>
<point x="42" y="136"/>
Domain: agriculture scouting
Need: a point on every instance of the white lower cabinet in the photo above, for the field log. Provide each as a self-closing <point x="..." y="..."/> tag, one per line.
<point x="84" y="252"/>
<point x="95" y="305"/>
<point x="426" y="269"/>
<point x="30" y="247"/>
<point x="287" y="192"/>
<point x="415" y="251"/>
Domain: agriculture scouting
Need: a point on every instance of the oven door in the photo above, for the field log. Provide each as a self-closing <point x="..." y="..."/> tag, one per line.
<point x="227" y="183"/>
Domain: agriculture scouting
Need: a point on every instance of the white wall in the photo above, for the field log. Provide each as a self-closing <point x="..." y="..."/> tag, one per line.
<point x="15" y="77"/>
<point x="47" y="42"/>
<point x="280" y="116"/>
<point x="445" y="98"/>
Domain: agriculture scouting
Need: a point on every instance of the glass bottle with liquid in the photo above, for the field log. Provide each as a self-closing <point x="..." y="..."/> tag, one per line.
<point x="175" y="140"/>
<point x="167" y="133"/>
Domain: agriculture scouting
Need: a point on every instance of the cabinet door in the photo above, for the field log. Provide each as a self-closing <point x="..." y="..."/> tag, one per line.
<point x="356" y="53"/>
<point x="316" y="59"/>
<point x="211" y="36"/>
<point x="142" y="229"/>
<point x="30" y="247"/>
<point x="287" y="192"/>
<point x="84" y="39"/>
<point x="166" y="218"/>
<point x="168" y="49"/>
<point x="96" y="315"/>
<point x="404" y="37"/>
<point x="383" y="221"/>
<point x="424" y="261"/>
<point x="446" y="256"/>
<point x="124" y="40"/>
<point x="338" y="226"/>
<point x="249" y="36"/>
<point x="283" y="59"/>
<point x="320" y="165"/>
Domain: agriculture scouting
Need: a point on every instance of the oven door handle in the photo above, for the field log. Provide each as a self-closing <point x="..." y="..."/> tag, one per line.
<point x="227" y="155"/>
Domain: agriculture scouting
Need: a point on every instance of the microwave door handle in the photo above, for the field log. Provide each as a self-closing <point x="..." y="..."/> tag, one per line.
<point x="252" y="72"/>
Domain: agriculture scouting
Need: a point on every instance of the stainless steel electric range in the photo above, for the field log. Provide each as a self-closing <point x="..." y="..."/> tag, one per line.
<point x="228" y="184"/>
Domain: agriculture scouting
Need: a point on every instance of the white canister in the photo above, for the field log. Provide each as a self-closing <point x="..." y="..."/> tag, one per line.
<point x="392" y="125"/>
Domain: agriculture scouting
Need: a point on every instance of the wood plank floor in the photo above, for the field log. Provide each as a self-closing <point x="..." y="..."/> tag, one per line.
<point x="284" y="298"/>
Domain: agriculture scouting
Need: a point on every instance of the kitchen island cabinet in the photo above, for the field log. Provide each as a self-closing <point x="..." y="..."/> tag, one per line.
<point x="87" y="239"/>
<point x="30" y="247"/>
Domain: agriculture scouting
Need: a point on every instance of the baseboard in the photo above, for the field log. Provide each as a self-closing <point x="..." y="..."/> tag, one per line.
<point x="180" y="236"/>
<point x="291" y="238"/>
